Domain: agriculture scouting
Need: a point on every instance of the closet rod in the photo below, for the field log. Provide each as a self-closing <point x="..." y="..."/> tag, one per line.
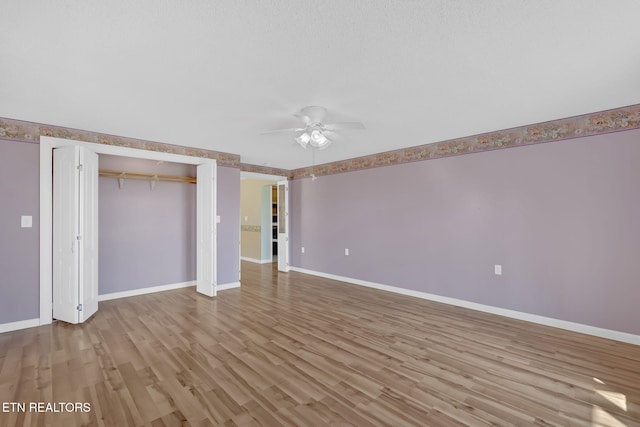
<point x="108" y="173"/>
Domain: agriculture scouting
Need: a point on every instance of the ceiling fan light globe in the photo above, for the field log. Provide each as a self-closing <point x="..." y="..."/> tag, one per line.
<point x="318" y="139"/>
<point x="303" y="139"/>
<point x="316" y="135"/>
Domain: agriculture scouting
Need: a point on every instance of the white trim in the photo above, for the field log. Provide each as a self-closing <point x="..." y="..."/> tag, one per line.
<point x="534" y="318"/>
<point x="257" y="261"/>
<point x="22" y="324"/>
<point x="47" y="144"/>
<point x="226" y="286"/>
<point x="143" y="291"/>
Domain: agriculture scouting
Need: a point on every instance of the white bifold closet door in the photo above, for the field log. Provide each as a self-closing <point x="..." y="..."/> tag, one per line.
<point x="283" y="226"/>
<point x="206" y="267"/>
<point x="75" y="234"/>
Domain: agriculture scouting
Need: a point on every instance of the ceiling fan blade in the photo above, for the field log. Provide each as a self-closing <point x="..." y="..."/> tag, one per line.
<point x="283" y="130"/>
<point x="334" y="136"/>
<point x="344" y="125"/>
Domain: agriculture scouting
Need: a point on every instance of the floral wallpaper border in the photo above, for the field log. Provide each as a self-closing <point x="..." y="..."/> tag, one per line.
<point x="619" y="119"/>
<point x="245" y="167"/>
<point x="251" y="228"/>
<point x="19" y="130"/>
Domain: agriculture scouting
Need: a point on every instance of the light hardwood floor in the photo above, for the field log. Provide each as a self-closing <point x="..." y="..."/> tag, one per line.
<point x="297" y="350"/>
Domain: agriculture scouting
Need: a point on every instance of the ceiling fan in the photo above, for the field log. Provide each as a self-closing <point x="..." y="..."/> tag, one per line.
<point x="314" y="130"/>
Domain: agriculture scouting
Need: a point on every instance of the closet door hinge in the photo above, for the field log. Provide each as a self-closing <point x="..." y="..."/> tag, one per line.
<point x="80" y="168"/>
<point x="79" y="307"/>
<point x="78" y="237"/>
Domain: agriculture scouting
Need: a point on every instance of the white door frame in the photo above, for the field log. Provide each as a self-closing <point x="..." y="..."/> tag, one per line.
<point x="47" y="144"/>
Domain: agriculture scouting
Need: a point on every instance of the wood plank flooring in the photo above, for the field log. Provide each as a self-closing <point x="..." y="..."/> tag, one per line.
<point x="297" y="350"/>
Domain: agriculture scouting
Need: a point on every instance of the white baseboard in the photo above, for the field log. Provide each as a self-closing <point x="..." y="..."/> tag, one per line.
<point x="226" y="286"/>
<point x="257" y="261"/>
<point x="142" y="291"/>
<point x="161" y="288"/>
<point x="23" y="324"/>
<point x="534" y="318"/>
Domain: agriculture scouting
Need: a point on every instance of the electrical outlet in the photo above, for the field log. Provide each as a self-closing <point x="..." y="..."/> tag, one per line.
<point x="302" y="249"/>
<point x="497" y="269"/>
<point x="346" y="252"/>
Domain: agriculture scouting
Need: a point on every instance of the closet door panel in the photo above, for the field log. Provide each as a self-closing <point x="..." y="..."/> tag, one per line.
<point x="88" y="243"/>
<point x="66" y="199"/>
<point x="206" y="229"/>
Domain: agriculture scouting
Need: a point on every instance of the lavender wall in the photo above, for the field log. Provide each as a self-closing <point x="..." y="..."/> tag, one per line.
<point x="561" y="218"/>
<point x="229" y="227"/>
<point x="147" y="238"/>
<point x="19" y="247"/>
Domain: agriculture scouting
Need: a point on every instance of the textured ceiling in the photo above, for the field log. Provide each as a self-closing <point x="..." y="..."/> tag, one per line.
<point x="214" y="74"/>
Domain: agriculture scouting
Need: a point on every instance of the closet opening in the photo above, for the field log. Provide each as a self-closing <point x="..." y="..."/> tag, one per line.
<point x="74" y="266"/>
<point x="147" y="226"/>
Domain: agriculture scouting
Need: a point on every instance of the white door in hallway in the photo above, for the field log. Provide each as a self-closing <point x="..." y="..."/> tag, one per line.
<point x="283" y="225"/>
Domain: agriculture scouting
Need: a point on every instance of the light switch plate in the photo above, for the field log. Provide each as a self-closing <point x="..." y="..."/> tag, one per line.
<point x="346" y="252"/>
<point x="302" y="249"/>
<point x="26" y="221"/>
<point x="497" y="269"/>
<point x="218" y="219"/>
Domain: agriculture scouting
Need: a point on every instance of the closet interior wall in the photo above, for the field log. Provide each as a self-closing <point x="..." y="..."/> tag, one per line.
<point x="147" y="229"/>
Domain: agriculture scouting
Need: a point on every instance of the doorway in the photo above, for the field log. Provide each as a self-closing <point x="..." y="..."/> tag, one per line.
<point x="206" y="282"/>
<point x="264" y="219"/>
